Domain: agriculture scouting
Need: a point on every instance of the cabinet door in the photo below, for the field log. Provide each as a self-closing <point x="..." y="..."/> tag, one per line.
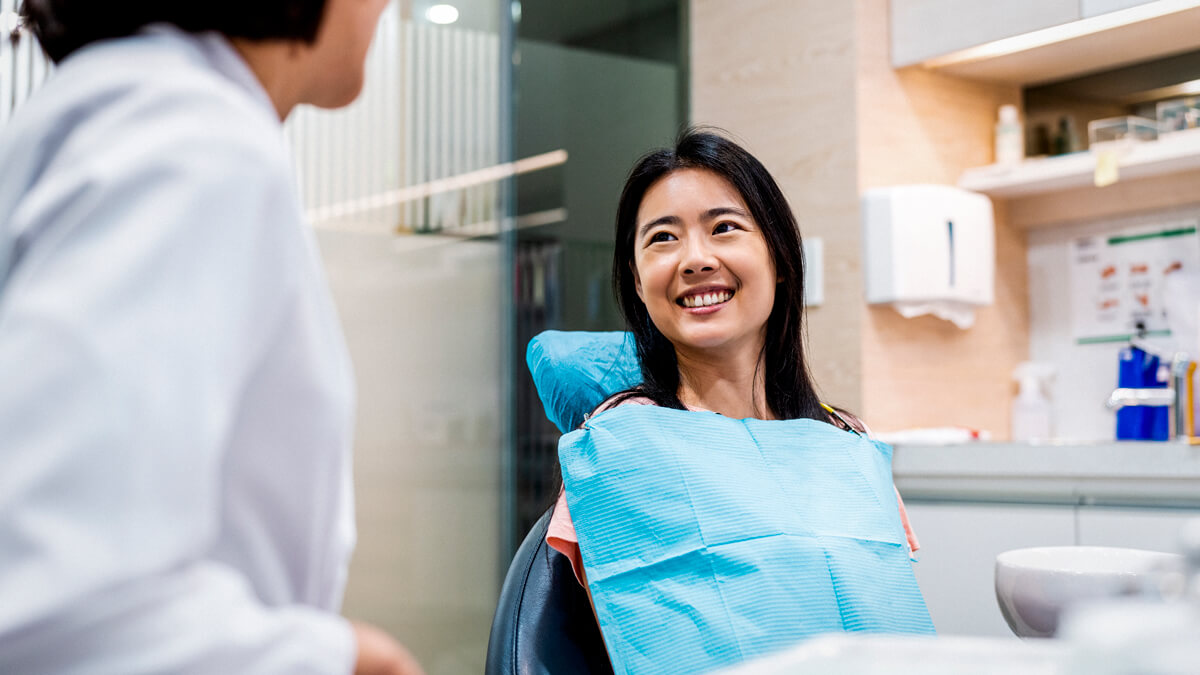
<point x="923" y="29"/>
<point x="1090" y="8"/>
<point x="957" y="560"/>
<point x="1146" y="528"/>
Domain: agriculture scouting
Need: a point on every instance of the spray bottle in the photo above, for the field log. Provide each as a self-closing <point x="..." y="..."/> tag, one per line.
<point x="1031" y="408"/>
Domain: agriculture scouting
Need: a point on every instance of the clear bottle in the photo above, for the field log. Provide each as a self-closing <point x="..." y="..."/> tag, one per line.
<point x="1031" y="409"/>
<point x="1010" y="140"/>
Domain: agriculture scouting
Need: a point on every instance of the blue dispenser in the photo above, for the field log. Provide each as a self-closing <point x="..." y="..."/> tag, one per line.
<point x="1141" y="370"/>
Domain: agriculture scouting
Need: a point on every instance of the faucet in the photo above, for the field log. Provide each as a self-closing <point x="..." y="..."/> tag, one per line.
<point x="1178" y="396"/>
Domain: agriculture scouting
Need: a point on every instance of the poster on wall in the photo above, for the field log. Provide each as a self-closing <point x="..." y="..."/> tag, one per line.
<point x="1117" y="280"/>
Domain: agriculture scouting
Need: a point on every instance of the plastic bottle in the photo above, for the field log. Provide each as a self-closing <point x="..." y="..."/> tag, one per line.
<point x="1010" y="141"/>
<point x="1031" y="408"/>
<point x="1064" y="139"/>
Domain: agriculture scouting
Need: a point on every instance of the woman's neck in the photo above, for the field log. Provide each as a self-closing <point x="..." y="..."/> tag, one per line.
<point x="733" y="385"/>
<point x="275" y="64"/>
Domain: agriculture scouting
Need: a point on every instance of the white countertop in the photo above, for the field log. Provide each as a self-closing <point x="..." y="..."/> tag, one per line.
<point x="1113" y="473"/>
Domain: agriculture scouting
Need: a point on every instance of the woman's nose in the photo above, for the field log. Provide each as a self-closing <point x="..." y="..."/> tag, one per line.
<point x="698" y="257"/>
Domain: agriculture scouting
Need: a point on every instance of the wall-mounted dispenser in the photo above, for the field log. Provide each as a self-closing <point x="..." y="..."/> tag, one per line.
<point x="929" y="249"/>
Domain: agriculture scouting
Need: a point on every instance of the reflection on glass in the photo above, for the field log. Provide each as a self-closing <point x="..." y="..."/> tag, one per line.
<point x="604" y="82"/>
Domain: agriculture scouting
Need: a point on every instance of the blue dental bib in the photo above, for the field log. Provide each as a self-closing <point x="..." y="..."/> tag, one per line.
<point x="708" y="541"/>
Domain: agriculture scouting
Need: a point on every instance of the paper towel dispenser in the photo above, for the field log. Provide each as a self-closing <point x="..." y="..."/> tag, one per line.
<point x="929" y="249"/>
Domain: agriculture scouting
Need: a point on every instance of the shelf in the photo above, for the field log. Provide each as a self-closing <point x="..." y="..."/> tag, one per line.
<point x="1175" y="153"/>
<point x="1080" y="47"/>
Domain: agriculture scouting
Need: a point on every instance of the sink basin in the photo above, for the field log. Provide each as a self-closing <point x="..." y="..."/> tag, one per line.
<point x="1034" y="585"/>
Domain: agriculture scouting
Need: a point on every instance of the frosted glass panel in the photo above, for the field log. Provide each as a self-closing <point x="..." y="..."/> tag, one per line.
<point x="404" y="190"/>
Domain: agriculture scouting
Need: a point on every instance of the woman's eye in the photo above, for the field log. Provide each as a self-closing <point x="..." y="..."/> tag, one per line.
<point x="661" y="236"/>
<point x="724" y="227"/>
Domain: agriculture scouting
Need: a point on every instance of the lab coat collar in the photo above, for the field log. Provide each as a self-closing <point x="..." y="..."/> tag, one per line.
<point x="221" y="55"/>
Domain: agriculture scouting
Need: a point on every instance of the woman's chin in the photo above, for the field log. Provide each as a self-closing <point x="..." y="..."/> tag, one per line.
<point x="703" y="341"/>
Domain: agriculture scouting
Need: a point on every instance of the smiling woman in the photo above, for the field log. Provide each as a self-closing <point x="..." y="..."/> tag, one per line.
<point x="706" y="539"/>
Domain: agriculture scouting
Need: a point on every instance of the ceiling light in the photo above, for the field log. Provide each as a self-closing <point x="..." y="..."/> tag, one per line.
<point x="9" y="21"/>
<point x="442" y="14"/>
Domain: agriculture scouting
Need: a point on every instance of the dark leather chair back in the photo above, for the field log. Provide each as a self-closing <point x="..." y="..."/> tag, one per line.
<point x="544" y="622"/>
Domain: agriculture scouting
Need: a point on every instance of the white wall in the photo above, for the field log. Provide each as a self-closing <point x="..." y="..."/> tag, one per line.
<point x="1087" y="374"/>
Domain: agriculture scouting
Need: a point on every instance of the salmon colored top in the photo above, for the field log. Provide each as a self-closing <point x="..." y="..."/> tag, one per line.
<point x="561" y="536"/>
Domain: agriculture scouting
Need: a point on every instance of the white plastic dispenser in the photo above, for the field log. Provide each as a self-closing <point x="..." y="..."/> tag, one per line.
<point x="1031" y="414"/>
<point x="929" y="249"/>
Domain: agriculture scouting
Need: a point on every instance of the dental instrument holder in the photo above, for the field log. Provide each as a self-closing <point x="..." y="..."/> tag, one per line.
<point x="1176" y="422"/>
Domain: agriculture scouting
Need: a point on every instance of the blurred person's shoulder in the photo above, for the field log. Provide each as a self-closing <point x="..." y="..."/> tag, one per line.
<point x="147" y="94"/>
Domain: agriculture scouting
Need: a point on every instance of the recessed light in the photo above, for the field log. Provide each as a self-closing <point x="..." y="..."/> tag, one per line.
<point x="9" y="21"/>
<point x="442" y="14"/>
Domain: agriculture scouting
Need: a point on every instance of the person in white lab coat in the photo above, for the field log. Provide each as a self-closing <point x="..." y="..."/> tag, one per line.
<point x="176" y="399"/>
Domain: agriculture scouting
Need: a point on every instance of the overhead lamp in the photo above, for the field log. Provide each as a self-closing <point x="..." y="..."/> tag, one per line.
<point x="9" y="22"/>
<point x="442" y="14"/>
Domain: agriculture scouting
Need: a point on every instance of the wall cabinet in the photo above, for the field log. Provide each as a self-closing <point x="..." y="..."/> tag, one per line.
<point x="960" y="542"/>
<point x="924" y="29"/>
<point x="1150" y="529"/>
<point x="941" y="34"/>
<point x="959" y="545"/>
<point x="1089" y="8"/>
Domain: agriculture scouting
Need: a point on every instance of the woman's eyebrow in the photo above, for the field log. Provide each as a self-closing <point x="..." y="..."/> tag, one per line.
<point x="663" y="220"/>
<point x="725" y="211"/>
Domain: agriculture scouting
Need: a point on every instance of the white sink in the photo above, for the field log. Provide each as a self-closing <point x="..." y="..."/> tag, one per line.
<point x="1034" y="585"/>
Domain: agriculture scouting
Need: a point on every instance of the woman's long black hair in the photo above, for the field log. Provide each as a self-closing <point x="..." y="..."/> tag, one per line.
<point x="789" y="388"/>
<point x="63" y="26"/>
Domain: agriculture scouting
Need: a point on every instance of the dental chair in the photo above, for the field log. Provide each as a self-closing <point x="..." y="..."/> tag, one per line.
<point x="544" y="622"/>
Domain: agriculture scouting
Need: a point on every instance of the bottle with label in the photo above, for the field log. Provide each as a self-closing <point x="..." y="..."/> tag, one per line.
<point x="1010" y="140"/>
<point x="1031" y="409"/>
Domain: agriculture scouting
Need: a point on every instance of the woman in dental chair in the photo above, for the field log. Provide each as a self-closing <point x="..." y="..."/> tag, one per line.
<point x="718" y="510"/>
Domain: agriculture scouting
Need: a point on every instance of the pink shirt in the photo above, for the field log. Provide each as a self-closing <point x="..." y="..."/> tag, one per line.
<point x="561" y="536"/>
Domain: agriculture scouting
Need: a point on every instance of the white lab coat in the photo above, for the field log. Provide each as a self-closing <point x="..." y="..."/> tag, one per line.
<point x="176" y="398"/>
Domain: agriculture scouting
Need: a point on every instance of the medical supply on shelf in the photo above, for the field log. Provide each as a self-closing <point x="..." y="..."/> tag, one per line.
<point x="1031" y="412"/>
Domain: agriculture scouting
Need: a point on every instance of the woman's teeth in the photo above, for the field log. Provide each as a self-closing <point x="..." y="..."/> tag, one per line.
<point x="706" y="299"/>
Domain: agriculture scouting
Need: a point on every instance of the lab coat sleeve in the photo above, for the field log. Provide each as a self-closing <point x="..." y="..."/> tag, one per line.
<point x="148" y="282"/>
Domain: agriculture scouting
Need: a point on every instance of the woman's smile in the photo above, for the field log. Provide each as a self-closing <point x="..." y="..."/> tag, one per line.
<point x="705" y="300"/>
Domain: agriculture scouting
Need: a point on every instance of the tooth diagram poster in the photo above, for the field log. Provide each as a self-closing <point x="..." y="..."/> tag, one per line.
<point x="1117" y="280"/>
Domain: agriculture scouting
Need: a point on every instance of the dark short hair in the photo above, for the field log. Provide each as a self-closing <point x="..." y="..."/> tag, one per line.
<point x="790" y="391"/>
<point x="63" y="26"/>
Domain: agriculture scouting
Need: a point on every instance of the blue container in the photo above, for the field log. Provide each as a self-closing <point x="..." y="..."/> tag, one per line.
<point x="1140" y="370"/>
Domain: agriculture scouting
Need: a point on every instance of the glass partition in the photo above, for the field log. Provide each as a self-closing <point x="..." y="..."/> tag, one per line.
<point x="406" y="191"/>
<point x="602" y="83"/>
<point x="23" y="66"/>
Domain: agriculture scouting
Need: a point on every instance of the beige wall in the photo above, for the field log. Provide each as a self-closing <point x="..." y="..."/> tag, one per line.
<point x="778" y="75"/>
<point x="915" y="126"/>
<point x="808" y="86"/>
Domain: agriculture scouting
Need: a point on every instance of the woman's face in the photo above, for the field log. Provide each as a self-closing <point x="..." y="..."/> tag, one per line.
<point x="701" y="263"/>
<point x="340" y="51"/>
